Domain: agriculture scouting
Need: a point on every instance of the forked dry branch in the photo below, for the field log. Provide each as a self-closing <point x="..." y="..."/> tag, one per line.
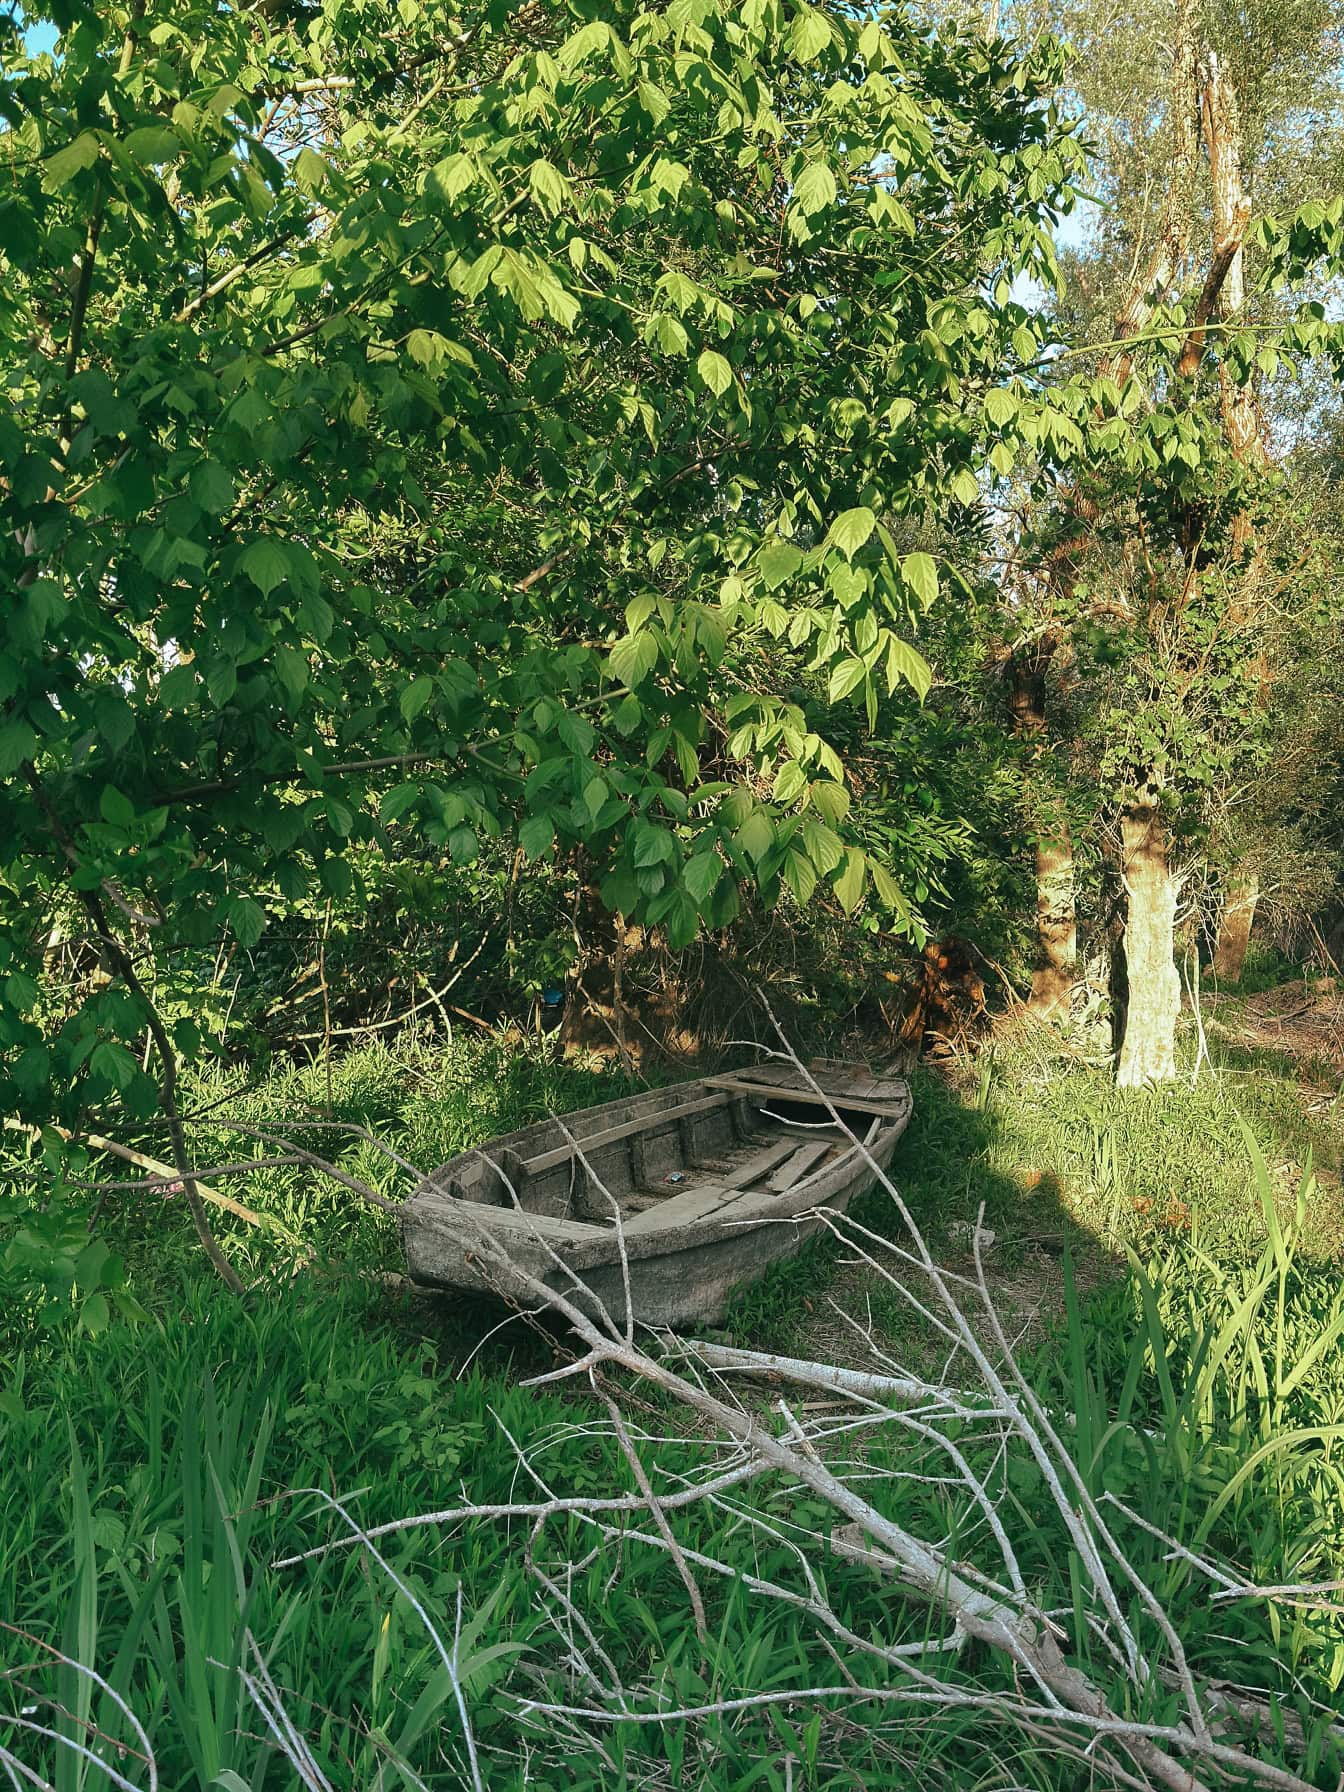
<point x="1104" y="1681"/>
<point x="972" y="1582"/>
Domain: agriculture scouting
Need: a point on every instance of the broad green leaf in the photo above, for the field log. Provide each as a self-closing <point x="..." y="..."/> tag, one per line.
<point x="415" y="696"/>
<point x="61" y="168"/>
<point x="247" y="920"/>
<point x="449" y="179"/>
<point x="115" y="808"/>
<point x="212" y="487"/>
<point x="152" y="144"/>
<point x="815" y="188"/>
<point x="536" y="836"/>
<point x="756" y="836"/>
<point x="778" y="561"/>
<point x="265" y="563"/>
<point x="846" y="678"/>
<point x="849" y="885"/>
<point x="851" y="529"/>
<point x="702" y="873"/>
<point x="811" y="33"/>
<point x="714" y="371"/>
<point x="920" y="573"/>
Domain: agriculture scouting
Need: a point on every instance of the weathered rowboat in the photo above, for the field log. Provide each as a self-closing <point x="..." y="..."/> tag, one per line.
<point x="683" y="1193"/>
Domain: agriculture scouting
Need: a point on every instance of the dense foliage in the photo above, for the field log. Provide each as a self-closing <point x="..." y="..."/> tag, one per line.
<point x="437" y="414"/>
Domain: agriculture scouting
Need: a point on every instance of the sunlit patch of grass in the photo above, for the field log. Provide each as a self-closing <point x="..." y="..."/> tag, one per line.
<point x="425" y="1102"/>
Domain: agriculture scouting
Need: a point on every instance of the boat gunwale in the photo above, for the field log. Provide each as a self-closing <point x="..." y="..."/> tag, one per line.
<point x="583" y="1251"/>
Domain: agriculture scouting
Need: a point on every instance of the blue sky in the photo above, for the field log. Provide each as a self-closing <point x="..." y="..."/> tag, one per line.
<point x="39" y="38"/>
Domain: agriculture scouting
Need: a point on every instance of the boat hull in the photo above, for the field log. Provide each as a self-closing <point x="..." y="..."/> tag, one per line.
<point x="659" y="1206"/>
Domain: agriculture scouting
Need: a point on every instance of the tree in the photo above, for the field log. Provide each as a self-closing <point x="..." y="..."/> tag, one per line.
<point x="414" y="426"/>
<point x="1150" y="561"/>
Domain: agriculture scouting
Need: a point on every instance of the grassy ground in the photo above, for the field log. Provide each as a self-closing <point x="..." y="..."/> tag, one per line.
<point x="147" y="1473"/>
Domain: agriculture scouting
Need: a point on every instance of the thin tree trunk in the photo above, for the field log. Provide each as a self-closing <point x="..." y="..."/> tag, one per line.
<point x="1055" y="967"/>
<point x="1148" y="1051"/>
<point x="1234" y="927"/>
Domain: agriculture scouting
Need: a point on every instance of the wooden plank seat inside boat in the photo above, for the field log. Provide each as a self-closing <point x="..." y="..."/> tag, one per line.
<point x="777" y="1164"/>
<point x="709" y="1182"/>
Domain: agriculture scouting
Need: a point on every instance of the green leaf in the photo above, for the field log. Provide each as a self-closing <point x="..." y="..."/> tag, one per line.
<point x="633" y="659"/>
<point x="61" y="168"/>
<point x="851" y="529"/>
<point x="756" y="835"/>
<point x="548" y="185"/>
<point x="653" y="846"/>
<point x="265" y="563"/>
<point x="715" y="372"/>
<point x="815" y="188"/>
<point x="17" y="744"/>
<point x="846" y="677"/>
<point x="177" y="687"/>
<point x="113" y="1063"/>
<point x="790" y="782"/>
<point x="888" y="890"/>
<point x="212" y="488"/>
<point x="114" y="808"/>
<point x="152" y="144"/>
<point x="400" y="801"/>
<point x="221" y="681"/>
<point x="920" y="573"/>
<point x="778" y="560"/>
<point x="830" y="799"/>
<point x="811" y="34"/>
<point x="536" y="836"/>
<point x="904" y="663"/>
<point x="415" y="696"/>
<point x="800" y="875"/>
<point x="823" y="846"/>
<point x="247" y="920"/>
<point x="702" y="873"/>
<point x="449" y="179"/>
<point x="849" y="885"/>
<point x="95" y="1314"/>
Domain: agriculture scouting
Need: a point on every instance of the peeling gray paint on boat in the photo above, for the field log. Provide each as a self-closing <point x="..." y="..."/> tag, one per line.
<point x="527" y="1202"/>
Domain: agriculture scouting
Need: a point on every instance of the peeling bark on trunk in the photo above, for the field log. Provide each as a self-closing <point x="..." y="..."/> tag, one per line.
<point x="1234" y="928"/>
<point x="1148" y="1051"/>
<point x="1055" y="970"/>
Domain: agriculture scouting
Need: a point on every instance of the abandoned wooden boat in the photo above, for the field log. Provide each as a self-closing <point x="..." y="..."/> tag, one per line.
<point x="681" y="1193"/>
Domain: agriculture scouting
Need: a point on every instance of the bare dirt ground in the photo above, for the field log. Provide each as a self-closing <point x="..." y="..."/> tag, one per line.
<point x="1304" y="1020"/>
<point x="858" y="1322"/>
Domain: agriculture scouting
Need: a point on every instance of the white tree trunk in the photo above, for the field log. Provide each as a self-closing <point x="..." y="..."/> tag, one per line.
<point x="1148" y="1051"/>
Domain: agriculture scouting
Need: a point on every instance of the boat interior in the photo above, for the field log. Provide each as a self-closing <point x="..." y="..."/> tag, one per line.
<point x="717" y="1148"/>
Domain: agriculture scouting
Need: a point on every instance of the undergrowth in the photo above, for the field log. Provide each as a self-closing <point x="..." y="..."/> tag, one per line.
<point x="152" y="1469"/>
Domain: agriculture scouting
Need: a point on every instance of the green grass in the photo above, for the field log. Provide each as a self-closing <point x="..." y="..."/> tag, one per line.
<point x="148" y="1473"/>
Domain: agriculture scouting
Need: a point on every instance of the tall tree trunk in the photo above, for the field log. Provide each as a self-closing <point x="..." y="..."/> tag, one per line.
<point x="1148" y="1051"/>
<point x="1234" y="927"/>
<point x="1055" y="969"/>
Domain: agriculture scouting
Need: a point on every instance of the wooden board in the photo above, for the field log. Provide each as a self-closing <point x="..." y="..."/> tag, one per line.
<point x="796" y="1166"/>
<point x="752" y="1205"/>
<point x="653" y="1122"/>
<point x="679" y="1210"/>
<point x="759" y="1164"/>
<point x="514" y="1220"/>
<point x="895" y="1108"/>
